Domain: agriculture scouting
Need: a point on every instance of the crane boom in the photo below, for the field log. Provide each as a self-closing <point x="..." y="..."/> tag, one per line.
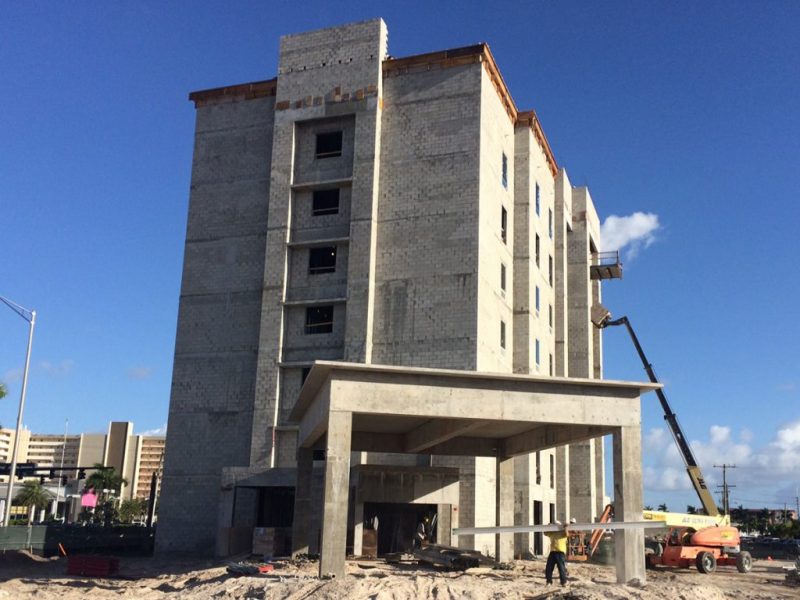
<point x="692" y="468"/>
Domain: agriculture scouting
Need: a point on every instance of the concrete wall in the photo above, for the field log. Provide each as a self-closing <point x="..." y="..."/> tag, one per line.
<point x="328" y="80"/>
<point x="218" y="317"/>
<point x="426" y="256"/>
<point x="496" y="140"/>
<point x="587" y="480"/>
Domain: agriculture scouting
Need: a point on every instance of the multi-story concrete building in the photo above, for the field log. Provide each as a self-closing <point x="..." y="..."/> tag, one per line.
<point x="136" y="457"/>
<point x="149" y="461"/>
<point x="379" y="210"/>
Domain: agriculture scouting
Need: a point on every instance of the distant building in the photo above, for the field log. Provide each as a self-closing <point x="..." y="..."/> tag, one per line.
<point x="135" y="457"/>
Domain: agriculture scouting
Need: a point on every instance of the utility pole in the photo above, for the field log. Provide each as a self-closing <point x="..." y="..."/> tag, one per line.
<point x="725" y="487"/>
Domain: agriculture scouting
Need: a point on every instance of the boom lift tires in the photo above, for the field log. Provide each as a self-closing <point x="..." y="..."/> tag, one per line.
<point x="744" y="562"/>
<point x="706" y="562"/>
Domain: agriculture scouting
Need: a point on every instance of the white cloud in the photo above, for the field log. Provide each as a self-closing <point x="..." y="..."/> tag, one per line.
<point x="12" y="376"/>
<point x="761" y="471"/>
<point x="630" y="233"/>
<point x="158" y="431"/>
<point x="60" y="369"/>
<point x="140" y="373"/>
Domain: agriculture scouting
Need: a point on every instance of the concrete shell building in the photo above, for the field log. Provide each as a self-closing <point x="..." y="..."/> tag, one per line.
<point x="368" y="209"/>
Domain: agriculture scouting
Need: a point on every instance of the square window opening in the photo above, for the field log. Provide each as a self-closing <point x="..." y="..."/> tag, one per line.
<point x="329" y="144"/>
<point x="322" y="260"/>
<point x="319" y="319"/>
<point x="325" y="202"/>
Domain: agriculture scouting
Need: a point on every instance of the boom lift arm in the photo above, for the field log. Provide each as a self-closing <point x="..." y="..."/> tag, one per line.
<point x="601" y="317"/>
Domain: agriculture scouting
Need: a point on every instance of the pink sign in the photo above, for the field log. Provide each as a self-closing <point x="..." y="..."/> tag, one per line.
<point x="89" y="500"/>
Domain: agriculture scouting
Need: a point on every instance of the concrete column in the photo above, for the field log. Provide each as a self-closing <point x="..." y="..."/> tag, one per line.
<point x="337" y="488"/>
<point x="562" y="485"/>
<point x="504" y="546"/>
<point x="600" y="475"/>
<point x="582" y="481"/>
<point x="628" y="498"/>
<point x="524" y="474"/>
<point x="301" y="523"/>
<point x="358" y="527"/>
<point x="563" y="224"/>
<point x="444" y="526"/>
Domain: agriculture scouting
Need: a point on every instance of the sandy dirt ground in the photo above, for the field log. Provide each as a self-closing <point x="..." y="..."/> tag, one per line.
<point x="23" y="577"/>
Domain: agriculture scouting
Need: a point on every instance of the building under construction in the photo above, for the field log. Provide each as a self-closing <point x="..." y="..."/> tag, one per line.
<point x="385" y="314"/>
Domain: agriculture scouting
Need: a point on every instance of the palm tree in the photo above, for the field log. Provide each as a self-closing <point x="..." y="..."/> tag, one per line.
<point x="33" y="493"/>
<point x="104" y="478"/>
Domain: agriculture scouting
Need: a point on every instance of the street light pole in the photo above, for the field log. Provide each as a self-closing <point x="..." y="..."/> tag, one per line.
<point x="30" y="317"/>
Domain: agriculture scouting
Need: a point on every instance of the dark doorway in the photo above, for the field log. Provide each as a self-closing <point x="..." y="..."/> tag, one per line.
<point x="397" y="524"/>
<point x="275" y="507"/>
<point x="538" y="549"/>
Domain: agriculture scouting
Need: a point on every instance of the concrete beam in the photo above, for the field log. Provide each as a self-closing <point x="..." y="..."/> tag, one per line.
<point x="436" y="432"/>
<point x="466" y="446"/>
<point x="548" y="436"/>
<point x="364" y="441"/>
<point x="314" y="421"/>
<point x="557" y="403"/>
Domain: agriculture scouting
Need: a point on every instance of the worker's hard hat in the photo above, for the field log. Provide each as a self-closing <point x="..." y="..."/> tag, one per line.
<point x="572" y="520"/>
<point x="557" y="523"/>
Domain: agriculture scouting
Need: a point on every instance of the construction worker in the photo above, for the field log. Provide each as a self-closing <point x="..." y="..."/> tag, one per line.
<point x="558" y="554"/>
<point x="422" y="532"/>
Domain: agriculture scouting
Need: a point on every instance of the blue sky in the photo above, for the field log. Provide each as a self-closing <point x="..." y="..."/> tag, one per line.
<point x="687" y="112"/>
